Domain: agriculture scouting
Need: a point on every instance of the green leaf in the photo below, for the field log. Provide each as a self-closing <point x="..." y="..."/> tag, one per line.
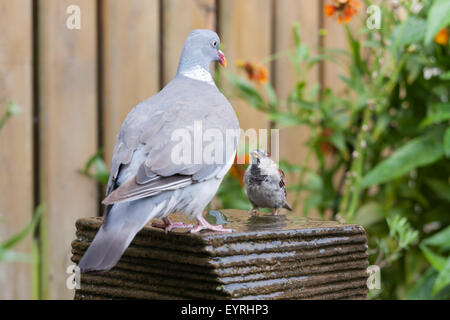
<point x="422" y="290"/>
<point x="13" y="256"/>
<point x="438" y="18"/>
<point x="11" y="110"/>
<point x="356" y="51"/>
<point x="423" y="287"/>
<point x="435" y="119"/>
<point x="314" y="182"/>
<point x="272" y="95"/>
<point x="101" y="172"/>
<point x="14" y="240"/>
<point x="246" y="91"/>
<point x="369" y="214"/>
<point x="296" y="33"/>
<point x="437" y="261"/>
<point x="436" y="113"/>
<point x="285" y="119"/>
<point x="445" y="76"/>
<point x="288" y="167"/>
<point x="337" y="139"/>
<point x="440" y="239"/>
<point x="414" y="65"/>
<point x="400" y="229"/>
<point x="409" y="32"/>
<point x="307" y="105"/>
<point x="443" y="278"/>
<point x="301" y="53"/>
<point x="440" y="188"/>
<point x="311" y="202"/>
<point x="447" y="143"/>
<point x="418" y="152"/>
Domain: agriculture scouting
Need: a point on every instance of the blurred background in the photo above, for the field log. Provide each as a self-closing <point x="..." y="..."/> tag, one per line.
<point x="363" y="114"/>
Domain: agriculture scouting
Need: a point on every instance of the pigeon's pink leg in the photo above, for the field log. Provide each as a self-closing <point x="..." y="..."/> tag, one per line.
<point x="169" y="225"/>
<point x="204" y="225"/>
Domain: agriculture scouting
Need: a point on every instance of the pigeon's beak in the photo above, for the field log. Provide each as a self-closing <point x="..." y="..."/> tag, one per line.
<point x="254" y="154"/>
<point x="222" y="59"/>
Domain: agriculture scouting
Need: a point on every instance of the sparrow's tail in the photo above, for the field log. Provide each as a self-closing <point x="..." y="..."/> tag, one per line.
<point x="121" y="225"/>
<point x="287" y="206"/>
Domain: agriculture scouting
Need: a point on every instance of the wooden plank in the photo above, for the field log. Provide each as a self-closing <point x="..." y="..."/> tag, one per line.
<point x="288" y="12"/>
<point x="68" y="130"/>
<point x="130" y="52"/>
<point x="16" y="141"/>
<point x="180" y="17"/>
<point x="245" y="28"/>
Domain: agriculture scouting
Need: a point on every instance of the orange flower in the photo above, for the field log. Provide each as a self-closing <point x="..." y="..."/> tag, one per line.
<point x="256" y="73"/>
<point x="325" y="145"/>
<point x="329" y="10"/>
<point x="237" y="170"/>
<point x="345" y="9"/>
<point x="442" y="37"/>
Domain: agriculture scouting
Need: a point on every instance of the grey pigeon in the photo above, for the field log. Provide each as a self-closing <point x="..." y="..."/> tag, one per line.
<point x="264" y="183"/>
<point x="145" y="181"/>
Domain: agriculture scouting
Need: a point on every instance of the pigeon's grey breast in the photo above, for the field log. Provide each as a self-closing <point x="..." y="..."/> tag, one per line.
<point x="151" y="124"/>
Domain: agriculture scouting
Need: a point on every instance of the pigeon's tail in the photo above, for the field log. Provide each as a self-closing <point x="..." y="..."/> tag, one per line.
<point x="123" y="222"/>
<point x="287" y="206"/>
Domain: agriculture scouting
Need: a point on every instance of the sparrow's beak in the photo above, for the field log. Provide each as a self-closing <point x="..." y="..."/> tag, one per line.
<point x="222" y="59"/>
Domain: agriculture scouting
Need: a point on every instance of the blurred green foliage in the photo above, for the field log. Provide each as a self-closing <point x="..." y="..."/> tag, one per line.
<point x="96" y="168"/>
<point x="7" y="254"/>
<point x="381" y="146"/>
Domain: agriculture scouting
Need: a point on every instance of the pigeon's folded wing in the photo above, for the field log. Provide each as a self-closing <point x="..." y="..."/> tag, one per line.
<point x="161" y="131"/>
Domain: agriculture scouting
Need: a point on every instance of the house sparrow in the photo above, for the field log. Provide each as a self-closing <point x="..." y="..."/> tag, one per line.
<point x="264" y="183"/>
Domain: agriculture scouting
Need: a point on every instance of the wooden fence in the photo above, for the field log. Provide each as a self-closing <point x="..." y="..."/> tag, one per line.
<point x="75" y="88"/>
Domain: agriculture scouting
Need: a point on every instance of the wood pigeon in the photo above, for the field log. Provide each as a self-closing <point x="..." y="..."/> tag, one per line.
<point x="149" y="179"/>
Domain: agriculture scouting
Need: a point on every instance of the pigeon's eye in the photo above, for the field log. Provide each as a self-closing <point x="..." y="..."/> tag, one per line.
<point x="214" y="43"/>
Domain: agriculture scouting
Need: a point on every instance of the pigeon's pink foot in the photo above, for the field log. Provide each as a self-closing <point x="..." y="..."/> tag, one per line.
<point x="169" y="225"/>
<point x="204" y="225"/>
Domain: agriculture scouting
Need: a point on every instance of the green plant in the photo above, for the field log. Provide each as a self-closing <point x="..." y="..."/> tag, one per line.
<point x="382" y="145"/>
<point x="7" y="254"/>
<point x="96" y="168"/>
<point x="11" y="110"/>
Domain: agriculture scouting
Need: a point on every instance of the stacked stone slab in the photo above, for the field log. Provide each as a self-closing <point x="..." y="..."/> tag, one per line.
<point x="268" y="257"/>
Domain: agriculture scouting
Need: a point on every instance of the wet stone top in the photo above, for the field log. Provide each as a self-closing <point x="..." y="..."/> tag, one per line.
<point x="267" y="257"/>
<point x="282" y="230"/>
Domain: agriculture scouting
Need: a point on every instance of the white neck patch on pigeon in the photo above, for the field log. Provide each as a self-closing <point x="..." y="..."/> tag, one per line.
<point x="200" y="74"/>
